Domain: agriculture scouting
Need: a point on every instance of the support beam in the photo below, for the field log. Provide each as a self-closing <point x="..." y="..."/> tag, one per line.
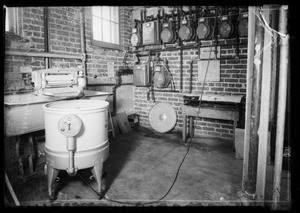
<point x="263" y="130"/>
<point x="255" y="107"/>
<point x="250" y="53"/>
<point x="282" y="93"/>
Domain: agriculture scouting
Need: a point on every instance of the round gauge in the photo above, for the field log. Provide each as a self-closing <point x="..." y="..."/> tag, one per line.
<point x="243" y="27"/>
<point x="135" y="39"/>
<point x="185" y="32"/>
<point x="69" y="125"/>
<point x="225" y="29"/>
<point x="203" y="30"/>
<point x="166" y="35"/>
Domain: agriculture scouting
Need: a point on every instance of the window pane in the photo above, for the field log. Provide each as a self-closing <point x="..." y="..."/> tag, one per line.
<point x="96" y="11"/>
<point x="97" y="31"/>
<point x="115" y="33"/>
<point x="115" y="14"/>
<point x="106" y="13"/>
<point x="106" y="31"/>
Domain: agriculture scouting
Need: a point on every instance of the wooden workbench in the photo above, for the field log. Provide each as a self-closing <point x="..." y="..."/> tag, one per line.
<point x="189" y="112"/>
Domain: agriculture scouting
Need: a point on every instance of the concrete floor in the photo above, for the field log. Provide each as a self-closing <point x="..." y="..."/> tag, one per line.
<point x="142" y="166"/>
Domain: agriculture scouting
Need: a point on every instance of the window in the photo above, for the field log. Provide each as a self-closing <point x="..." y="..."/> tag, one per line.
<point x="12" y="19"/>
<point x="106" y="27"/>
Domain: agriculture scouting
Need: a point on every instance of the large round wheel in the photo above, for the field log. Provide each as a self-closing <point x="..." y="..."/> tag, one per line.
<point x="162" y="117"/>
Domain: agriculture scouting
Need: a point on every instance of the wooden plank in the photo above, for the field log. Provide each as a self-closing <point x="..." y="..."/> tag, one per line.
<point x="250" y="59"/>
<point x="263" y="131"/>
<point x="123" y="123"/>
<point x="217" y="97"/>
<point x="116" y="126"/>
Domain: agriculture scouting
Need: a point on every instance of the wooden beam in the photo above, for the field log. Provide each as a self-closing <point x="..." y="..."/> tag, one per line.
<point x="250" y="59"/>
<point x="263" y="129"/>
<point x="283" y="70"/>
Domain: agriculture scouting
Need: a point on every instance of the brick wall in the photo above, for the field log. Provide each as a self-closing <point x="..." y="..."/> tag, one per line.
<point x="64" y="28"/>
<point x="232" y="81"/>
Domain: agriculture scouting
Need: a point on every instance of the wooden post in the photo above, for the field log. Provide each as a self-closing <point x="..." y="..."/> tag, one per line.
<point x="282" y="92"/>
<point x="250" y="53"/>
<point x="263" y="129"/>
<point x="255" y="108"/>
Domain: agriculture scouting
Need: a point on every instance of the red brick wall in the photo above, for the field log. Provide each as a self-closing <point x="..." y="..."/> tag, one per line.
<point x="232" y="81"/>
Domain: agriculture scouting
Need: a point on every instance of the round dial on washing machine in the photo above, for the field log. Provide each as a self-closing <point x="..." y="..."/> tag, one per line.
<point x="69" y="125"/>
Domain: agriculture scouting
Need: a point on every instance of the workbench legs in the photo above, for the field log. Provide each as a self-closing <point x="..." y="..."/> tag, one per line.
<point x="185" y="128"/>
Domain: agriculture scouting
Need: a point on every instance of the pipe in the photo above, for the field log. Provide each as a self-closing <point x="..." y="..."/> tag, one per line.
<point x="181" y="68"/>
<point x="282" y="97"/>
<point x="71" y="147"/>
<point x="157" y="90"/>
<point x="82" y="41"/>
<point x="46" y="36"/>
<point x="191" y="76"/>
<point x="158" y="28"/>
<point x="11" y="190"/>
<point x="255" y="109"/>
<point x="43" y="54"/>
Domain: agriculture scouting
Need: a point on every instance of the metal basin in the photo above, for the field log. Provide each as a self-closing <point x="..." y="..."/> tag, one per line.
<point x="23" y="113"/>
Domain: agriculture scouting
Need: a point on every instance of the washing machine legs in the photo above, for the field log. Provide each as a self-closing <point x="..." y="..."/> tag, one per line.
<point x="97" y="172"/>
<point x="51" y="176"/>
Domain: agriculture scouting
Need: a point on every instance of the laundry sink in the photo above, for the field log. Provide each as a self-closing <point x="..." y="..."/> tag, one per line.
<point x="23" y="113"/>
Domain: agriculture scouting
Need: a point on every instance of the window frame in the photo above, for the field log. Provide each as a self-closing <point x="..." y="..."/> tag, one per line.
<point x="14" y="18"/>
<point x="107" y="44"/>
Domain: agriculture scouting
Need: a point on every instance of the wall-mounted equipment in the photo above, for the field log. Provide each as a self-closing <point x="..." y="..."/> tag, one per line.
<point x="150" y="35"/>
<point x="186" y="31"/>
<point x="243" y="25"/>
<point x="203" y="30"/>
<point x="136" y="37"/>
<point x="161" y="76"/>
<point x="225" y="27"/>
<point x="141" y="75"/>
<point x="213" y="72"/>
<point x="168" y="34"/>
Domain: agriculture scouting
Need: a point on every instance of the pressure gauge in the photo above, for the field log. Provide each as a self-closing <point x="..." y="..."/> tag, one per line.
<point x="203" y="30"/>
<point x="225" y="29"/>
<point x="70" y="125"/>
<point x="185" y="32"/>
<point x="167" y="34"/>
<point x="135" y="40"/>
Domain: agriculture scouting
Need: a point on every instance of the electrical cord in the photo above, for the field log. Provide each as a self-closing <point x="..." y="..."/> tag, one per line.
<point x="179" y="167"/>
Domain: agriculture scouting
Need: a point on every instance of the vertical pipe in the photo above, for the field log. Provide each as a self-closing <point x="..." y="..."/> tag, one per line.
<point x="82" y="40"/>
<point x="274" y="86"/>
<point x="282" y="92"/>
<point x="191" y="75"/>
<point x="263" y="130"/>
<point x="46" y="36"/>
<point x="255" y="108"/>
<point x="250" y="55"/>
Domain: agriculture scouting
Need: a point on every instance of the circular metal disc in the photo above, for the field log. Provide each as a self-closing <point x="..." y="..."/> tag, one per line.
<point x="162" y="117"/>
